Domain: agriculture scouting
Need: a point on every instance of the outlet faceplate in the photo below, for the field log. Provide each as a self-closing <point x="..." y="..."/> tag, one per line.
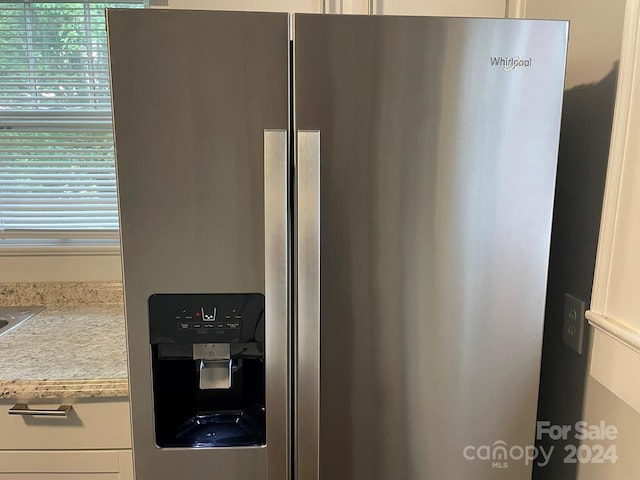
<point x="573" y="323"/>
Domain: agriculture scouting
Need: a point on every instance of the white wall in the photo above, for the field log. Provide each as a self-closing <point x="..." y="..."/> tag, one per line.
<point x="593" y="42"/>
<point x="48" y="267"/>
<point x="600" y="406"/>
<point x="568" y="394"/>
<point x="442" y="8"/>
<point x="613" y="391"/>
<point x="617" y="280"/>
<point x="617" y="276"/>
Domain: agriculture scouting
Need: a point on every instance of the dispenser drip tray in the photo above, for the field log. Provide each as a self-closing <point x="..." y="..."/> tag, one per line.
<point x="223" y="429"/>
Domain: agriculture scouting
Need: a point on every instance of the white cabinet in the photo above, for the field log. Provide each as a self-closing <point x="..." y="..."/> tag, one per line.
<point x="441" y="8"/>
<point x="92" y="442"/>
<point x="63" y="464"/>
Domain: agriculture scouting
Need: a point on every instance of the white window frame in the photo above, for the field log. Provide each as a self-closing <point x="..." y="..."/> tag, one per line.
<point x="38" y="244"/>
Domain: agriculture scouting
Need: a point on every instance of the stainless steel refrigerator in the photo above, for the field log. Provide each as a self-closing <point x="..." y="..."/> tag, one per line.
<point x="335" y="235"/>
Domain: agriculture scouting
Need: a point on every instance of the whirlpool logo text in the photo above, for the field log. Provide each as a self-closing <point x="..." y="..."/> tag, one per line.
<point x="510" y="63"/>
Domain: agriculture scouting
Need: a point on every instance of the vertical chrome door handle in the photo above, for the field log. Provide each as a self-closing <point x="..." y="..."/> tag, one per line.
<point x="308" y="315"/>
<point x="277" y="313"/>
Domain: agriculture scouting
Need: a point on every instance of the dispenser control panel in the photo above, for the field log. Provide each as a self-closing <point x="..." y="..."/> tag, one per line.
<point x="206" y="318"/>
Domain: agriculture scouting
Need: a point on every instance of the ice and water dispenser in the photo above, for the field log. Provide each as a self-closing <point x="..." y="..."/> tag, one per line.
<point x="208" y="369"/>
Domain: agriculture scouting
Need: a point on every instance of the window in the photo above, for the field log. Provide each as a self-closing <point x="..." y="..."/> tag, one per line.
<point x="57" y="177"/>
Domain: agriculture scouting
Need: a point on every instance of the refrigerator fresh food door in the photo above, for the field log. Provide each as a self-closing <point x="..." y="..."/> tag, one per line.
<point x="422" y="242"/>
<point x="200" y="105"/>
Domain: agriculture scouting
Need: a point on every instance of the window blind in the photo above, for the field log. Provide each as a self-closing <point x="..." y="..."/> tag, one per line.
<point x="57" y="177"/>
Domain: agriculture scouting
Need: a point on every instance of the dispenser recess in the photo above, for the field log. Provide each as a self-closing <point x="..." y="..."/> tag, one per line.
<point x="207" y="354"/>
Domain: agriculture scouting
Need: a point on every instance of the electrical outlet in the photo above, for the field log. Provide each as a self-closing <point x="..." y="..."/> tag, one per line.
<point x="573" y="323"/>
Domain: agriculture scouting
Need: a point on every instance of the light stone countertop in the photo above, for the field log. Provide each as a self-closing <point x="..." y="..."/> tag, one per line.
<point x="64" y="351"/>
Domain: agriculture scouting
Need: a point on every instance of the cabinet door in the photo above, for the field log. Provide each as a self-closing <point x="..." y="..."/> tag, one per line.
<point x="440" y="8"/>
<point x="58" y="465"/>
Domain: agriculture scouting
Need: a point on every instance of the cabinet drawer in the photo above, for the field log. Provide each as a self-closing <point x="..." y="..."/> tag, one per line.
<point x="59" y="476"/>
<point x="91" y="424"/>
<point x="79" y="465"/>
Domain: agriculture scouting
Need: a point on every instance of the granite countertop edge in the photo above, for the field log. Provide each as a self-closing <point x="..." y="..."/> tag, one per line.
<point x="60" y="389"/>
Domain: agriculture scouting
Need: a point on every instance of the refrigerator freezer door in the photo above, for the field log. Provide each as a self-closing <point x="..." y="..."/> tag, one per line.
<point x="438" y="154"/>
<point x="193" y="93"/>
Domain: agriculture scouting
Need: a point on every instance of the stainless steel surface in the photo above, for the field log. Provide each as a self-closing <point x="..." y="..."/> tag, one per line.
<point x="211" y="351"/>
<point x="214" y="374"/>
<point x="433" y="198"/>
<point x="25" y="410"/>
<point x="13" y="316"/>
<point x="308" y="314"/>
<point x="277" y="303"/>
<point x="214" y="368"/>
<point x="192" y="94"/>
<point x="436" y="193"/>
